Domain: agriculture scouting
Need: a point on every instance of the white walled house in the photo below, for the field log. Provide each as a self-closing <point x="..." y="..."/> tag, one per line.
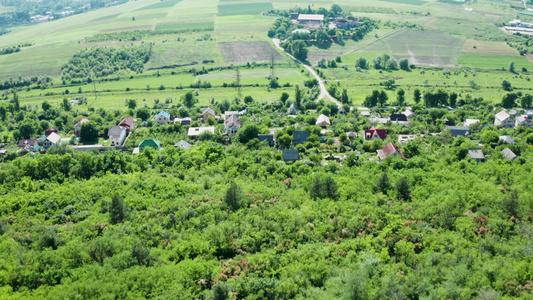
<point x="116" y="134"/>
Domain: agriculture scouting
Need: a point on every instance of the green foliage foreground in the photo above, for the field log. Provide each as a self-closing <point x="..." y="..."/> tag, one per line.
<point x="160" y="225"/>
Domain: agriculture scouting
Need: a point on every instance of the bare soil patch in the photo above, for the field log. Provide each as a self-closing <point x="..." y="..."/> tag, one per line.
<point x="243" y="52"/>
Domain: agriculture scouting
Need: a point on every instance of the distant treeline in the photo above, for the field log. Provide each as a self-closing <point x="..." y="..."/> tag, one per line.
<point x="136" y="35"/>
<point x="41" y="82"/>
<point x="13" y="49"/>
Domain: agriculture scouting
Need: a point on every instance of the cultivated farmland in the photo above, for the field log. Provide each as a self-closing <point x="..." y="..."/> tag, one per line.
<point x="424" y="48"/>
<point x="243" y="52"/>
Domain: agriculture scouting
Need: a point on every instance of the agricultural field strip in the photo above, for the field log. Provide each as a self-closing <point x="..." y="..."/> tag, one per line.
<point x="369" y="43"/>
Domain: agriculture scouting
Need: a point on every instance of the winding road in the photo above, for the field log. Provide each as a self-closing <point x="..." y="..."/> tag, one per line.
<point x="323" y="91"/>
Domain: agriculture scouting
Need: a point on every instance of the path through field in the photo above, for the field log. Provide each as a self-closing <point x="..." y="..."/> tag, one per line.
<point x="323" y="91"/>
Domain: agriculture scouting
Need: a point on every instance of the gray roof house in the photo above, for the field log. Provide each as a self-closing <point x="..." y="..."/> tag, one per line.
<point x="266" y="137"/>
<point x="116" y="134"/>
<point x="507" y="153"/>
<point x="291" y="155"/>
<point x="300" y="137"/>
<point x="183" y="145"/>
<point x="458" y="130"/>
<point x="477" y="155"/>
<point x="508" y="139"/>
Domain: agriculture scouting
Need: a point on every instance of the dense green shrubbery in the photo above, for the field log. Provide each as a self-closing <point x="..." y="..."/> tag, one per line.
<point x="104" y="61"/>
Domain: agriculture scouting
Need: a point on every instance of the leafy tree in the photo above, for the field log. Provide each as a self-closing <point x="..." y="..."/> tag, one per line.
<point x="362" y="63"/>
<point x="221" y="291"/>
<point x="382" y="99"/>
<point x="247" y="132"/>
<point x="88" y="132"/>
<point x="417" y="96"/>
<point x="298" y="96"/>
<point x="233" y="196"/>
<point x="3" y="113"/>
<point x="66" y="105"/>
<point x="284" y="141"/>
<point x="403" y="189"/>
<point x="284" y="97"/>
<point x="404" y="64"/>
<point x="143" y="113"/>
<point x="506" y="85"/>
<point x="526" y="101"/>
<point x="46" y="105"/>
<point x="344" y="96"/>
<point x="383" y="183"/>
<point x="299" y="50"/>
<point x="16" y="101"/>
<point x="248" y="99"/>
<point x="336" y="9"/>
<point x="389" y="83"/>
<point x="315" y="191"/>
<point x="116" y="211"/>
<point x="132" y="103"/>
<point x="188" y="100"/>
<point x="511" y="67"/>
<point x="211" y="121"/>
<point x="453" y="99"/>
<point x="508" y="100"/>
<point x="400" y="97"/>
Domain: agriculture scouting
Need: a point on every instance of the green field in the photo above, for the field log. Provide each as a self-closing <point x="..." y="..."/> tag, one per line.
<point x="410" y="2"/>
<point x="162" y="4"/>
<point x="243" y="9"/>
<point x="199" y="25"/>
<point x="492" y="61"/>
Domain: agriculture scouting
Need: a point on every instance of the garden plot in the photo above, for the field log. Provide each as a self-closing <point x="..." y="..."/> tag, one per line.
<point x="243" y="52"/>
<point x="423" y="48"/>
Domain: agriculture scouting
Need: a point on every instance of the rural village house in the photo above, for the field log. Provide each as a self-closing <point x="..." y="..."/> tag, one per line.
<point x="50" y="131"/>
<point x="522" y="120"/>
<point x="194" y="132"/>
<point x="507" y="153"/>
<point x="469" y="122"/>
<point x="50" y="140"/>
<point x="323" y="121"/>
<point x="116" y="134"/>
<point x="208" y="112"/>
<point x="300" y="137"/>
<point x="128" y="123"/>
<point x="507" y="139"/>
<point x="162" y="117"/>
<point x="292" y="110"/>
<point x="390" y="150"/>
<point x="404" y="138"/>
<point x="456" y="131"/>
<point x="291" y="155"/>
<point x="374" y="133"/>
<point x="476" y="155"/>
<point x="266" y="137"/>
<point x="232" y="124"/>
<point x="504" y="119"/>
<point x="183" y="145"/>
<point x="150" y="143"/>
<point x="77" y="127"/>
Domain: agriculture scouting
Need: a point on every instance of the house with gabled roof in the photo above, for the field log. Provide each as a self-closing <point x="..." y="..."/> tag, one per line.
<point x="522" y="121"/>
<point x="28" y="142"/>
<point x="208" y="111"/>
<point x="269" y="138"/>
<point x="323" y="121"/>
<point x="232" y="124"/>
<point x="50" y="140"/>
<point x="507" y="153"/>
<point x="373" y="133"/>
<point x="390" y="150"/>
<point x="128" y="124"/>
<point x="469" y="122"/>
<point x="503" y="119"/>
<point x="456" y="131"/>
<point x="183" y="145"/>
<point x="116" y="134"/>
<point x="291" y="155"/>
<point x="77" y="127"/>
<point x="292" y="110"/>
<point x="300" y="137"/>
<point x="50" y="131"/>
<point x="150" y="143"/>
<point x="398" y="118"/>
<point x="507" y="139"/>
<point x="162" y="117"/>
<point x="476" y="155"/>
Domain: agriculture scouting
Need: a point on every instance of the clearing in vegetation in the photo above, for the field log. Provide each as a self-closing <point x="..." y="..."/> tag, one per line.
<point x="243" y="52"/>
<point x="243" y="9"/>
<point x="485" y="47"/>
<point x="423" y="48"/>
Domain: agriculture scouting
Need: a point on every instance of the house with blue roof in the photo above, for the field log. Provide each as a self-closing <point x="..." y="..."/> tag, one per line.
<point x="163" y="117"/>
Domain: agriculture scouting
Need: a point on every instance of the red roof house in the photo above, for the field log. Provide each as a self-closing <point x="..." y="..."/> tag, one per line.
<point x="77" y="127"/>
<point x="390" y="150"/>
<point x="374" y="133"/>
<point x="127" y="123"/>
